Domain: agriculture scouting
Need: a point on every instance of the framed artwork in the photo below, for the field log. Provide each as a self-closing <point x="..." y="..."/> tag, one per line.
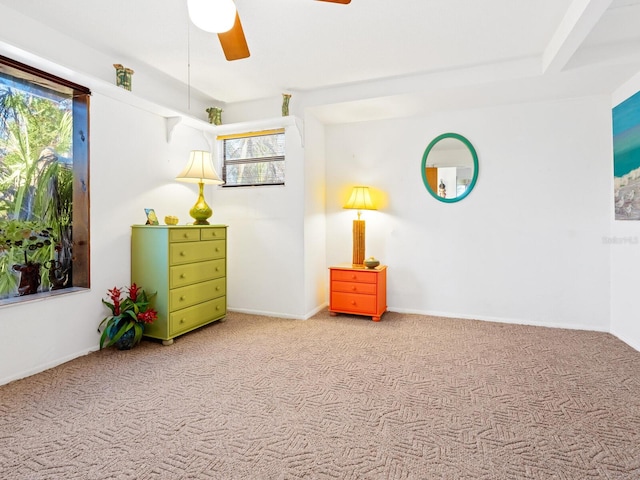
<point x="626" y="158"/>
<point x="152" y="218"/>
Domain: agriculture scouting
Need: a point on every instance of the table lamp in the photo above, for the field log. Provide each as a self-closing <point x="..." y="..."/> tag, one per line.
<point x="200" y="170"/>
<point x="360" y="199"/>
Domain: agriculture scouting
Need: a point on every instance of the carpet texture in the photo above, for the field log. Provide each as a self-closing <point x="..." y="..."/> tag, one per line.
<point x="410" y="397"/>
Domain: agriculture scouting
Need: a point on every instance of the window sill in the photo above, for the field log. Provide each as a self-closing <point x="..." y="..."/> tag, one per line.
<point x="37" y="297"/>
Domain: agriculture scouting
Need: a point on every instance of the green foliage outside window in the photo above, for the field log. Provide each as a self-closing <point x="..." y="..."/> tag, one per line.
<point x="36" y="180"/>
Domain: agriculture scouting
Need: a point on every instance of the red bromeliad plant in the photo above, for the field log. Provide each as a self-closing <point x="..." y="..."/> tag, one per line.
<point x="129" y="313"/>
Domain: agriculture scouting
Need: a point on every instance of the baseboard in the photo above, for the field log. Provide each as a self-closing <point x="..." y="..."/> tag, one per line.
<point x="47" y="366"/>
<point x="433" y="313"/>
<point x="265" y="313"/>
<point x="306" y="316"/>
<point x="633" y="344"/>
<point x="518" y="321"/>
<point x="316" y="310"/>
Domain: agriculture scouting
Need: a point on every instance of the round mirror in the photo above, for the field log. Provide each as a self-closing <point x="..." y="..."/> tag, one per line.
<point x="449" y="167"/>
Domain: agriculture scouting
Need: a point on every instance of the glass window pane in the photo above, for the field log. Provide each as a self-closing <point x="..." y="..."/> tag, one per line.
<point x="254" y="160"/>
<point x="262" y="173"/>
<point x="39" y="158"/>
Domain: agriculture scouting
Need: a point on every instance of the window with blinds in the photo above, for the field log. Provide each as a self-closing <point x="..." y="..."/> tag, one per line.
<point x="255" y="158"/>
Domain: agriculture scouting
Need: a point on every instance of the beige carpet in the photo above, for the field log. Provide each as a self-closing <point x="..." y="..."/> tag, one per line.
<point x="411" y="397"/>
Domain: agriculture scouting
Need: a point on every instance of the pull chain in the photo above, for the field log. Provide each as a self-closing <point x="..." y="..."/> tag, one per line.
<point x="188" y="66"/>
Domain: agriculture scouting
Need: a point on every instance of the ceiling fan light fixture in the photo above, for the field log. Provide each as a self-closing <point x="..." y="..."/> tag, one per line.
<point x="214" y="16"/>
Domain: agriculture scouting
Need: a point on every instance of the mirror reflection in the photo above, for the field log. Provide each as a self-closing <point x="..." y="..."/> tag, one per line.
<point x="449" y="167"/>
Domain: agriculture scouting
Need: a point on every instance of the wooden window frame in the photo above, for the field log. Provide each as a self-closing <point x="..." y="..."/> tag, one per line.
<point x="81" y="274"/>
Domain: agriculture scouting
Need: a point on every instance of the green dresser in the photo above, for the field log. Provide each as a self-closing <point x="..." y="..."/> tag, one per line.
<point x="187" y="267"/>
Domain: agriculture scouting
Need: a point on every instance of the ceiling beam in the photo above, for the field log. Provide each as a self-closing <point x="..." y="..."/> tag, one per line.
<point x="581" y="17"/>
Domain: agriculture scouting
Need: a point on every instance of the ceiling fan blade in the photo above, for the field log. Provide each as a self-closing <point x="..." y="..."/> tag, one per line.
<point x="343" y="2"/>
<point x="234" y="43"/>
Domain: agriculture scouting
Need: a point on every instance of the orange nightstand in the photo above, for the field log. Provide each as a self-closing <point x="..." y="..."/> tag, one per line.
<point x="361" y="291"/>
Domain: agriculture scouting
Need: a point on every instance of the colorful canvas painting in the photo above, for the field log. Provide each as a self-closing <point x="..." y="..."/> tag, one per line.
<point x="626" y="158"/>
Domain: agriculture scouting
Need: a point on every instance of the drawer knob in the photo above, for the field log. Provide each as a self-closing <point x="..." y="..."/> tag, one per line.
<point x="182" y="320"/>
<point x="183" y="276"/>
<point x="182" y="298"/>
<point x="353" y="277"/>
<point x="182" y="254"/>
<point x="217" y="289"/>
<point x="186" y="235"/>
<point x="353" y="302"/>
<point x="353" y="288"/>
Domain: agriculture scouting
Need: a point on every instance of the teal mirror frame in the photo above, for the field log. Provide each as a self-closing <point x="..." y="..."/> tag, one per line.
<point x="474" y="156"/>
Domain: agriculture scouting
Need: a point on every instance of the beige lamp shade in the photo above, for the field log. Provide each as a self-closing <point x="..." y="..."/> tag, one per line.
<point x="199" y="169"/>
<point x="360" y="199"/>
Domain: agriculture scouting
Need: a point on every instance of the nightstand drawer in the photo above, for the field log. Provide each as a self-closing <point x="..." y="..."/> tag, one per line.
<point x="180" y="253"/>
<point x="353" y="276"/>
<point x="192" y="317"/>
<point x="357" y="291"/>
<point x="193" y="294"/>
<point x="213" y="234"/>
<point x="353" y="287"/>
<point x="184" y="235"/>
<point x="190" y="273"/>
<point x="353" y="303"/>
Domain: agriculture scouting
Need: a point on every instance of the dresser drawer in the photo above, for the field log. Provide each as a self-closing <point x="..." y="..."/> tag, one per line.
<point x="186" y="265"/>
<point x="192" y="317"/>
<point x="353" y="276"/>
<point x="184" y="235"/>
<point x="180" y="253"/>
<point x="213" y="233"/>
<point x="192" y="294"/>
<point x="181" y="275"/>
<point x="354" y="287"/>
<point x="353" y="303"/>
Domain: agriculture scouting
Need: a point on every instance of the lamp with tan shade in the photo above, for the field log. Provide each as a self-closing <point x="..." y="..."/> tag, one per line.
<point x="359" y="200"/>
<point x="200" y="170"/>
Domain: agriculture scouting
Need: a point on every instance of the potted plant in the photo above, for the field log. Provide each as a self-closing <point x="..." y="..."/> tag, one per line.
<point x="25" y="246"/>
<point x="124" y="327"/>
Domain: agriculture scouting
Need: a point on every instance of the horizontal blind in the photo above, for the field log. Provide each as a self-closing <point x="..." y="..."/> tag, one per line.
<point x="253" y="158"/>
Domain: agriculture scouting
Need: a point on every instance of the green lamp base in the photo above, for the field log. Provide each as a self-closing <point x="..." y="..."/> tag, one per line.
<point x="200" y="212"/>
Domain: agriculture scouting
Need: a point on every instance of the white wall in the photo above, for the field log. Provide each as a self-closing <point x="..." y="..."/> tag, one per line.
<point x="131" y="167"/>
<point x="315" y="247"/>
<point x="266" y="240"/>
<point x="524" y="246"/>
<point x="624" y="242"/>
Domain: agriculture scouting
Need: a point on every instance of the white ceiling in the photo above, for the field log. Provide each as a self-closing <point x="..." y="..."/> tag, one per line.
<point x="309" y="46"/>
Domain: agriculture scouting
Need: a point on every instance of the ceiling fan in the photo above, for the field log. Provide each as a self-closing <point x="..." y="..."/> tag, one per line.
<point x="221" y="17"/>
